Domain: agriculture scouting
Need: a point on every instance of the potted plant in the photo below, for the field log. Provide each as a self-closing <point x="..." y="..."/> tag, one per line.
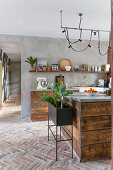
<point x="44" y="68"/>
<point x="59" y="112"/>
<point x="31" y="61"/>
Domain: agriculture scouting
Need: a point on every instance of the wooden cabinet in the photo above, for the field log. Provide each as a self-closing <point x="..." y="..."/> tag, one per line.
<point x="39" y="109"/>
<point x="92" y="130"/>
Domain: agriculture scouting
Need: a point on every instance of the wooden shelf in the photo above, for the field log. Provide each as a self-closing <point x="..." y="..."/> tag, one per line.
<point x="60" y="71"/>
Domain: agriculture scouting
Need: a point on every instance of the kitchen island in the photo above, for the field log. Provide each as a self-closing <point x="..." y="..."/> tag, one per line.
<point x="91" y="122"/>
<point x="91" y="126"/>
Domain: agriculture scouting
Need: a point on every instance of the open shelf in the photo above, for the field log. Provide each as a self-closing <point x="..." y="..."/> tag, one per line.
<point x="60" y="71"/>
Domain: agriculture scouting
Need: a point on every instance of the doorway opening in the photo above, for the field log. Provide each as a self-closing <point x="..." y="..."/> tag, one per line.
<point x="10" y="79"/>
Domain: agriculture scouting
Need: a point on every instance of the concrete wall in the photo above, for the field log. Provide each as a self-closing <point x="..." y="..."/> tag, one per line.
<point x="16" y="77"/>
<point x="0" y="83"/>
<point x="8" y="83"/>
<point x="53" y="50"/>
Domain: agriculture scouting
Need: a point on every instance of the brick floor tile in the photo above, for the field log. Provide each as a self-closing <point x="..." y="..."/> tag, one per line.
<point x="24" y="145"/>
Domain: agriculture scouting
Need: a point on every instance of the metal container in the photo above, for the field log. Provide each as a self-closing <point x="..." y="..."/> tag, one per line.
<point x="92" y="68"/>
<point x="99" y="68"/>
<point x="95" y="68"/>
<point x="89" y="67"/>
<point x="61" y="117"/>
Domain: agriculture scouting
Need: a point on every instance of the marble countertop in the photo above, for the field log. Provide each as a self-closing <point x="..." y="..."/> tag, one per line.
<point x="85" y="99"/>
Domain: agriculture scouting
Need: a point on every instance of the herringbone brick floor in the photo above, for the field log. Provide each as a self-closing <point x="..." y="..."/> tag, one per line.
<point x="24" y="146"/>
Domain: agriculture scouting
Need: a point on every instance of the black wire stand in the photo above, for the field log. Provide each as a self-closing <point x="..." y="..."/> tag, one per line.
<point x="56" y="136"/>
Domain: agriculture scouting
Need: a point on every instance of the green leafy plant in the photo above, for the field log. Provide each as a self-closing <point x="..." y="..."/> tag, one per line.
<point x="59" y="92"/>
<point x="31" y="61"/>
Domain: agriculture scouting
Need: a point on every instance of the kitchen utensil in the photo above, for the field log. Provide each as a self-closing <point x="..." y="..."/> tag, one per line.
<point x="76" y="68"/>
<point x="101" y="83"/>
<point x="59" y="78"/>
<point x="68" y="68"/>
<point x="110" y="82"/>
<point x="92" y="68"/>
<point x="89" y="67"/>
<point x="42" y="83"/>
<point x="95" y="68"/>
<point x="99" y="68"/>
<point x="63" y="63"/>
<point x="106" y="67"/>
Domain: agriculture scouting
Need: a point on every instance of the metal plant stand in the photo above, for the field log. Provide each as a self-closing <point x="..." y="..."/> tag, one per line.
<point x="56" y="136"/>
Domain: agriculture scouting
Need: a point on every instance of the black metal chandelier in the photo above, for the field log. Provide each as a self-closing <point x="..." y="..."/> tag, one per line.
<point x="92" y="32"/>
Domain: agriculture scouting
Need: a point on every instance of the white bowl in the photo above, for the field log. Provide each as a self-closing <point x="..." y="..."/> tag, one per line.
<point x="92" y="94"/>
<point x="68" y="68"/>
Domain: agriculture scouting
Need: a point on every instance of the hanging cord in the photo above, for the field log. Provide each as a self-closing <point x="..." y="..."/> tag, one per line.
<point x="70" y="46"/>
<point x="99" y="45"/>
<point x="67" y="35"/>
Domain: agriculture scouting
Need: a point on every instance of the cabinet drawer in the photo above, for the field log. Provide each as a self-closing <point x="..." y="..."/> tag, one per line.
<point x="95" y="123"/>
<point x="96" y="152"/>
<point x="98" y="136"/>
<point x="95" y="109"/>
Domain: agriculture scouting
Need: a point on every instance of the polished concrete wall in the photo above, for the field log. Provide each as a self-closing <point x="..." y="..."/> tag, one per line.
<point x="15" y="77"/>
<point x="54" y="50"/>
<point x="0" y="83"/>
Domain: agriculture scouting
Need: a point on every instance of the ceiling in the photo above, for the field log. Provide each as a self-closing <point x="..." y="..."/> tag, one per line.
<point x="13" y="50"/>
<point x="42" y="17"/>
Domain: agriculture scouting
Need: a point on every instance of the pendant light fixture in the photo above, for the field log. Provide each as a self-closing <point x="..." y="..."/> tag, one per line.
<point x="93" y="32"/>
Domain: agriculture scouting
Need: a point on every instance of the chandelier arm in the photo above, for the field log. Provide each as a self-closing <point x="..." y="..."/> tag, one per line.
<point x="99" y="46"/>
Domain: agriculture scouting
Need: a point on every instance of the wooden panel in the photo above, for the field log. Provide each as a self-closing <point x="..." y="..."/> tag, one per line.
<point x="96" y="152"/>
<point x="96" y="109"/>
<point x="76" y="144"/>
<point x="36" y="94"/>
<point x="94" y="123"/>
<point x="39" y="109"/>
<point x="76" y="133"/>
<point x="92" y="130"/>
<point x="77" y="107"/>
<point x="76" y="121"/>
<point x="42" y="116"/>
<point x="109" y="57"/>
<point x="92" y="137"/>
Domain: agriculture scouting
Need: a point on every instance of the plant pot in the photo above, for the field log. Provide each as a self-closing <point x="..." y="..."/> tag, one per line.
<point x="48" y="69"/>
<point x="32" y="67"/>
<point x="60" y="117"/>
<point x="44" y="68"/>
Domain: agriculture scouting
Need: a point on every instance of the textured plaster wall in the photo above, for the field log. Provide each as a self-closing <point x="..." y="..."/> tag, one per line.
<point x="0" y="83"/>
<point x="53" y="50"/>
<point x="16" y="77"/>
